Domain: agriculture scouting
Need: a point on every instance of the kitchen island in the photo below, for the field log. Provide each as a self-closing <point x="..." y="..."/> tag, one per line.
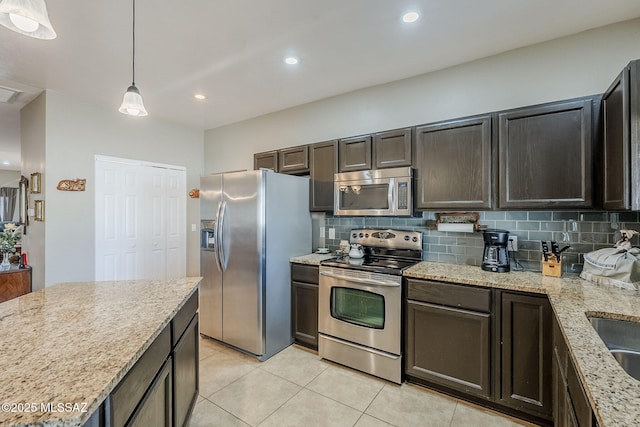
<point x="66" y="348"/>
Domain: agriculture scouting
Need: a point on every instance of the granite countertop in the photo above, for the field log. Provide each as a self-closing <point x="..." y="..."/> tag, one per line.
<point x="614" y="395"/>
<point x="72" y="343"/>
<point x="312" y="259"/>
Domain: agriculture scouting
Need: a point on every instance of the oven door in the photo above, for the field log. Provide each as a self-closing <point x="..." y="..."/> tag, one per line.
<point x="361" y="307"/>
<point x="373" y="196"/>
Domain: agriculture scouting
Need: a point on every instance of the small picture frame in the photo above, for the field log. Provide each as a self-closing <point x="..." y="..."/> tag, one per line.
<point x="36" y="182"/>
<point x="38" y="208"/>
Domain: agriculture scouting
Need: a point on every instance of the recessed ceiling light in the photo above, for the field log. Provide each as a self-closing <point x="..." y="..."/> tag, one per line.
<point x="410" y="17"/>
<point x="291" y="60"/>
<point x="199" y="96"/>
<point x="6" y="163"/>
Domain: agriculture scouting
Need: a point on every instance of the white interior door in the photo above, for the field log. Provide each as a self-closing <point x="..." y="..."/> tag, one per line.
<point x="140" y="220"/>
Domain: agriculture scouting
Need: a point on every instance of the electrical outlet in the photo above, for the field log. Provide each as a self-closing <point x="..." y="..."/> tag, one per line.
<point x="513" y="243"/>
<point x="332" y="233"/>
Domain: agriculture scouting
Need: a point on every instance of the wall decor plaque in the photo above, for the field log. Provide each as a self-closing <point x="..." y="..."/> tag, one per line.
<point x="72" y="184"/>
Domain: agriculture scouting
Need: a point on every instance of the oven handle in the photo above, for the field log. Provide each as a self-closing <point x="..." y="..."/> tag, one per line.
<point x="359" y="347"/>
<point x="359" y="279"/>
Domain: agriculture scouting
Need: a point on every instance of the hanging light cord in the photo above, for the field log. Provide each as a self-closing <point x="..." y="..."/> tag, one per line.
<point x="133" y="62"/>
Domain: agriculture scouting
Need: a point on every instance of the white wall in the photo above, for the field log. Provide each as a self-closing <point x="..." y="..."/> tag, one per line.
<point x="9" y="178"/>
<point x="75" y="133"/>
<point x="32" y="135"/>
<point x="578" y="65"/>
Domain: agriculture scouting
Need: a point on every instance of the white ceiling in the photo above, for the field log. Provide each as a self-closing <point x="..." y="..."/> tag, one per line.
<point x="232" y="50"/>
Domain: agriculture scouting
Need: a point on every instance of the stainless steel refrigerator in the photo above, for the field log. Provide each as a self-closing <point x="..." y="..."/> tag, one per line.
<point x="252" y="223"/>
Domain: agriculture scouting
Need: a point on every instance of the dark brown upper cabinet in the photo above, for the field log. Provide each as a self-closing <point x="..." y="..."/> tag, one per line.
<point x="266" y="160"/>
<point x="453" y="164"/>
<point x="323" y="158"/>
<point x="392" y="149"/>
<point x="294" y="160"/>
<point x="354" y="153"/>
<point x="545" y="155"/>
<point x="621" y="141"/>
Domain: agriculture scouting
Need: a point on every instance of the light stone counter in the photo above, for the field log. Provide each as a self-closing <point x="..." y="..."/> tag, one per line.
<point x="72" y="343"/>
<point x="312" y="259"/>
<point x="614" y="395"/>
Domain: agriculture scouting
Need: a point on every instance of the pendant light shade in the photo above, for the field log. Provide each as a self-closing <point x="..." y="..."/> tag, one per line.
<point x="28" y="17"/>
<point x="132" y="104"/>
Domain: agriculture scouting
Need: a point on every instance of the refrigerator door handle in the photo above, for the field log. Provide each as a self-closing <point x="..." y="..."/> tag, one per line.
<point x="221" y="219"/>
<point x="217" y="239"/>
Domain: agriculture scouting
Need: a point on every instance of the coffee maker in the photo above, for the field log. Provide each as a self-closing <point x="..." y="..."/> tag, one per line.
<point x="496" y="253"/>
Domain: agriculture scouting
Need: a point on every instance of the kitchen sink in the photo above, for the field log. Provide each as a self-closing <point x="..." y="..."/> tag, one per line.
<point x="622" y="338"/>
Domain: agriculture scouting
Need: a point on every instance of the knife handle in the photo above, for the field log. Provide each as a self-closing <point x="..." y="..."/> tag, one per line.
<point x="545" y="250"/>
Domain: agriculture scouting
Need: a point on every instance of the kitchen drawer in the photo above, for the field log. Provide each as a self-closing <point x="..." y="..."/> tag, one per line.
<point x="181" y="320"/>
<point x="449" y="294"/>
<point x="305" y="273"/>
<point x="125" y="398"/>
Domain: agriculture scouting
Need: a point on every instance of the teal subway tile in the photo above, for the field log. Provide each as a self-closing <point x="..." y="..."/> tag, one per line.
<point x="516" y="215"/>
<point x="594" y="216"/>
<point x="447" y="258"/>
<point x="528" y="225"/>
<point x="540" y="235"/>
<point x="456" y="250"/>
<point x="604" y="227"/>
<point x="540" y="216"/>
<point x="560" y="216"/>
<point x="437" y="248"/>
<point x="448" y="240"/>
<point x="506" y="225"/>
<point x="627" y="216"/>
<point x="428" y="256"/>
<point x="552" y="226"/>
<point x="494" y="216"/>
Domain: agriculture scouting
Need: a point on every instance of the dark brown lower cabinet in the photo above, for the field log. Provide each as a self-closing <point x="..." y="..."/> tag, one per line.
<point x="155" y="408"/>
<point x="526" y="353"/>
<point x="185" y="374"/>
<point x="489" y="346"/>
<point x="304" y="304"/>
<point x="449" y="346"/>
<point x="571" y="406"/>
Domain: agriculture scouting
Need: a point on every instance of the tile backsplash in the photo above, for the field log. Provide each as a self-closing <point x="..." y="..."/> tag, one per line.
<point x="585" y="231"/>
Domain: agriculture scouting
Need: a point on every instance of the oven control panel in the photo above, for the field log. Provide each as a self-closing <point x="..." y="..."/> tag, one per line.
<point x="389" y="239"/>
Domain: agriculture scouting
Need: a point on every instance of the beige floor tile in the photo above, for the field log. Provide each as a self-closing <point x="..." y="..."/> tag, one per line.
<point x="368" y="421"/>
<point x="409" y="405"/>
<point x="206" y="414"/>
<point x="296" y="365"/>
<point x="310" y="409"/>
<point x="206" y="350"/>
<point x="346" y="386"/>
<point x="255" y="396"/>
<point x="473" y="416"/>
<point x="221" y="369"/>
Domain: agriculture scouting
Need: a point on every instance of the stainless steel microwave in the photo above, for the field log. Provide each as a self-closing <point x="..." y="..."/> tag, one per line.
<point x="379" y="192"/>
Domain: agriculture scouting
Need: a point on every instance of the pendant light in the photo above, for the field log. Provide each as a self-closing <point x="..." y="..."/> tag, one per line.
<point x="28" y="17"/>
<point x="132" y="104"/>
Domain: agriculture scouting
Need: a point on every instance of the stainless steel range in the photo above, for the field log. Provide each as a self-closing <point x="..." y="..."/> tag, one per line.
<point x="360" y="302"/>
